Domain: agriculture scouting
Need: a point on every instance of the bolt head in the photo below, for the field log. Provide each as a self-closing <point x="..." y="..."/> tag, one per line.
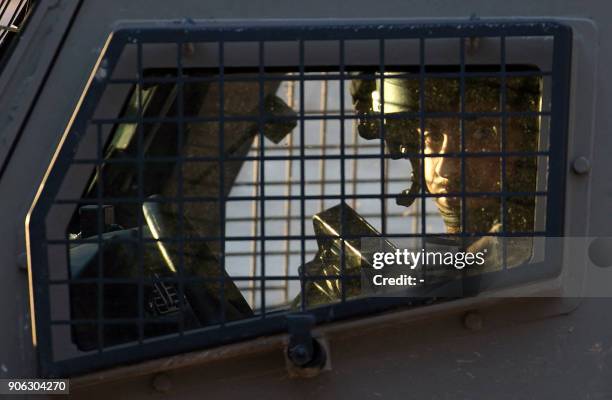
<point x="600" y="252"/>
<point x="162" y="383"/>
<point x="581" y="165"/>
<point x="299" y="355"/>
<point x="473" y="321"/>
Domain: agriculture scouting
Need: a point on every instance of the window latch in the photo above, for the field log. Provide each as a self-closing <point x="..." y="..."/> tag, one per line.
<point x="304" y="351"/>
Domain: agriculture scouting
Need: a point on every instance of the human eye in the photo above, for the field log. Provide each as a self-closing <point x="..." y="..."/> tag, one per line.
<point x="433" y="138"/>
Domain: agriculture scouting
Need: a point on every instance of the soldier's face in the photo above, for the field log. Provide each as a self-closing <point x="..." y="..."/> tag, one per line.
<point x="443" y="171"/>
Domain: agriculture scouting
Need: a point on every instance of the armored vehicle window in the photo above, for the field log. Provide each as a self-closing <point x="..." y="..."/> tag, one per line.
<point x="215" y="197"/>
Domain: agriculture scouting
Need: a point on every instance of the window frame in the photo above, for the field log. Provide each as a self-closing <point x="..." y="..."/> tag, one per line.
<point x="214" y="336"/>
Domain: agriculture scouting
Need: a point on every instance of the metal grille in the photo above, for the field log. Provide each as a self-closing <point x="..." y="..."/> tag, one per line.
<point x="362" y="176"/>
<point x="216" y="179"/>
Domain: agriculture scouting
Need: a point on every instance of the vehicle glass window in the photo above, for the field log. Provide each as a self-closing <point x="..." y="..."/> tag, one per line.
<point x="185" y="170"/>
<point x="13" y="15"/>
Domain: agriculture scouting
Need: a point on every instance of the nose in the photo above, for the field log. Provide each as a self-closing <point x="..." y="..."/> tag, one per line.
<point x="449" y="167"/>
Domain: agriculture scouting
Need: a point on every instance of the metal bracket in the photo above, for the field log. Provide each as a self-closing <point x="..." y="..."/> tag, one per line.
<point x="301" y="350"/>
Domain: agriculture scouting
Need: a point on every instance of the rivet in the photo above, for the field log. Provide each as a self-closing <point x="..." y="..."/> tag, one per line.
<point x="472" y="321"/>
<point x="581" y="165"/>
<point x="162" y="383"/>
<point x="600" y="252"/>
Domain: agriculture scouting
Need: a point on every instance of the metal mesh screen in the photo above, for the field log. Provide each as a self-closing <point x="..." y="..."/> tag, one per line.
<point x="215" y="180"/>
<point x="322" y="183"/>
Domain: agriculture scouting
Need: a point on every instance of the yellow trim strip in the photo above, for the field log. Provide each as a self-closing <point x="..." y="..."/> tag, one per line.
<point x="44" y="181"/>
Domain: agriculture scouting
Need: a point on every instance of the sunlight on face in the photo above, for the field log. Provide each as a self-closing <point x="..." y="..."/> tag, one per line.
<point x="481" y="173"/>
